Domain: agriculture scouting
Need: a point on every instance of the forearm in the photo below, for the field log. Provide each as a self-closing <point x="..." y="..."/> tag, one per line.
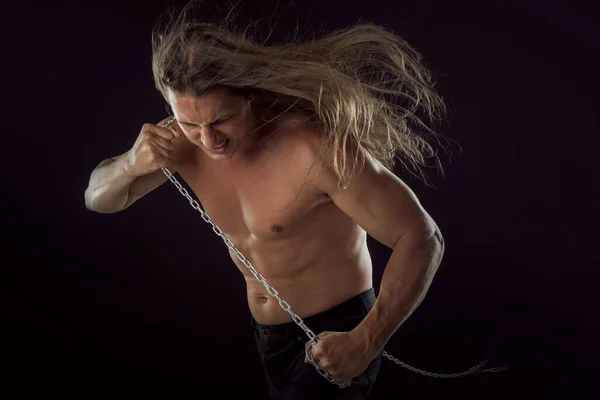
<point x="109" y="185"/>
<point x="405" y="282"/>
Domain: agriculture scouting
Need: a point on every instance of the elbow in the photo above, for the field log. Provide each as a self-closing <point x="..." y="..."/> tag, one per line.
<point x="98" y="204"/>
<point x="433" y="243"/>
<point x="435" y="237"/>
<point x="91" y="203"/>
<point x="439" y="247"/>
<point x="439" y="238"/>
<point x="89" y="199"/>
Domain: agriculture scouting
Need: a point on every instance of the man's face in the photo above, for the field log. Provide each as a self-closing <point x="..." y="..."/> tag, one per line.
<point x="217" y="118"/>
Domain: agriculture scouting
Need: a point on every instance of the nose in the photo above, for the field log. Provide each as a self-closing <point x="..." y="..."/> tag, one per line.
<point x="209" y="137"/>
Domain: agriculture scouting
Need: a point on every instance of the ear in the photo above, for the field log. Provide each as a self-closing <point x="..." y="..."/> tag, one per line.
<point x="252" y="103"/>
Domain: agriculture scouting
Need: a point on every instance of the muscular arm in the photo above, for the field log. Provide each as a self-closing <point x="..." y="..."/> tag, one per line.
<point x="389" y="211"/>
<point x="112" y="188"/>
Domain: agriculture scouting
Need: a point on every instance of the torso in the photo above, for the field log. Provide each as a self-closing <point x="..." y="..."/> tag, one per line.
<point x="313" y="254"/>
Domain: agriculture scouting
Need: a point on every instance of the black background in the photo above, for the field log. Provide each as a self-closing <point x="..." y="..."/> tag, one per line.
<point x="148" y="298"/>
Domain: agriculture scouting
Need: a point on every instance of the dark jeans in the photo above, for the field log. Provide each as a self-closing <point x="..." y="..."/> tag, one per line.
<point x="282" y="350"/>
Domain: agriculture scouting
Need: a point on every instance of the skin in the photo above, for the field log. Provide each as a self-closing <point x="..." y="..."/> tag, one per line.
<point x="304" y="235"/>
<point x="291" y="233"/>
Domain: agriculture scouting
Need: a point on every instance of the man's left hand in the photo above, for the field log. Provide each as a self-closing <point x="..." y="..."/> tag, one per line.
<point x="344" y="355"/>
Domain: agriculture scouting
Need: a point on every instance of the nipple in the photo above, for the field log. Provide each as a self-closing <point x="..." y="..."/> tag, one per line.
<point x="277" y="228"/>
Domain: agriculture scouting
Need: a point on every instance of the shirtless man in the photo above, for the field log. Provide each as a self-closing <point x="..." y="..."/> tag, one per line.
<point x="264" y="186"/>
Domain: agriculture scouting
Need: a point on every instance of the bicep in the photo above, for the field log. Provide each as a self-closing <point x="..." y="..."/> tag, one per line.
<point x="377" y="200"/>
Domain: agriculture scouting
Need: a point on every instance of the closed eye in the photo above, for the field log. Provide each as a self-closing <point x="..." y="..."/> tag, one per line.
<point x="224" y="119"/>
<point x="218" y="121"/>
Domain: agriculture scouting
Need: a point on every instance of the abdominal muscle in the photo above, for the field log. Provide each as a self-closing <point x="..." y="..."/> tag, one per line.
<point x="310" y="275"/>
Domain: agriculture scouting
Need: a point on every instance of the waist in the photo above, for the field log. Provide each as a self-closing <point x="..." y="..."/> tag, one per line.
<point x="355" y="307"/>
<point x="320" y="287"/>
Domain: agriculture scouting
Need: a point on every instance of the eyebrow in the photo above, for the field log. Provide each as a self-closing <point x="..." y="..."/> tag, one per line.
<point x="218" y="119"/>
<point x="187" y="123"/>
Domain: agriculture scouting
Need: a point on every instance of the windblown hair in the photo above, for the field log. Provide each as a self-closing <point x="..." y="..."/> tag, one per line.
<point x="363" y="85"/>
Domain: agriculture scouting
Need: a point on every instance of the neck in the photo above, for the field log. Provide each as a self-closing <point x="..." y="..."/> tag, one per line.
<point x="251" y="146"/>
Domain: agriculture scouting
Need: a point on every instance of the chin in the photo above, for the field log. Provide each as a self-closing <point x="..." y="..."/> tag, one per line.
<point x="216" y="156"/>
<point x="220" y="157"/>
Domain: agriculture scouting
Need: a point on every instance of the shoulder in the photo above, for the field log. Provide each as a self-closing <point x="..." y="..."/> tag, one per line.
<point x="372" y="195"/>
<point x="315" y="150"/>
<point x="308" y="146"/>
<point x="335" y="165"/>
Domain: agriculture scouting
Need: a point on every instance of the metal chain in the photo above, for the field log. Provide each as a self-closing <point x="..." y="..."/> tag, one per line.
<point x="286" y="307"/>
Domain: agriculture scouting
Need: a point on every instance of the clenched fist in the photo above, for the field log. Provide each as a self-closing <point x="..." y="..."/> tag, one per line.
<point x="152" y="150"/>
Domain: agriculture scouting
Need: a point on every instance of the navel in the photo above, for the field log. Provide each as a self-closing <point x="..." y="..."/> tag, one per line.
<point x="277" y="228"/>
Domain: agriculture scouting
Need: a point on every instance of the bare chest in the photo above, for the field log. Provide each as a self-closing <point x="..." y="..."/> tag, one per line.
<point x="268" y="201"/>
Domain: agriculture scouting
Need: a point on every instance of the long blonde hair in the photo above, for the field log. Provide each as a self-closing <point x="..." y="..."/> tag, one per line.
<point x="363" y="84"/>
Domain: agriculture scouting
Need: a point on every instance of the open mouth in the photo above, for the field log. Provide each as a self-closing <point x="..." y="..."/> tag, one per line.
<point x="221" y="147"/>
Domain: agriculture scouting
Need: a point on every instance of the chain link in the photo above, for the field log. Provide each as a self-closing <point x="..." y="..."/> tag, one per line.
<point x="286" y="307"/>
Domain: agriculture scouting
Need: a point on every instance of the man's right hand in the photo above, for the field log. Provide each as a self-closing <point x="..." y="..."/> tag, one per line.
<point x="152" y="150"/>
